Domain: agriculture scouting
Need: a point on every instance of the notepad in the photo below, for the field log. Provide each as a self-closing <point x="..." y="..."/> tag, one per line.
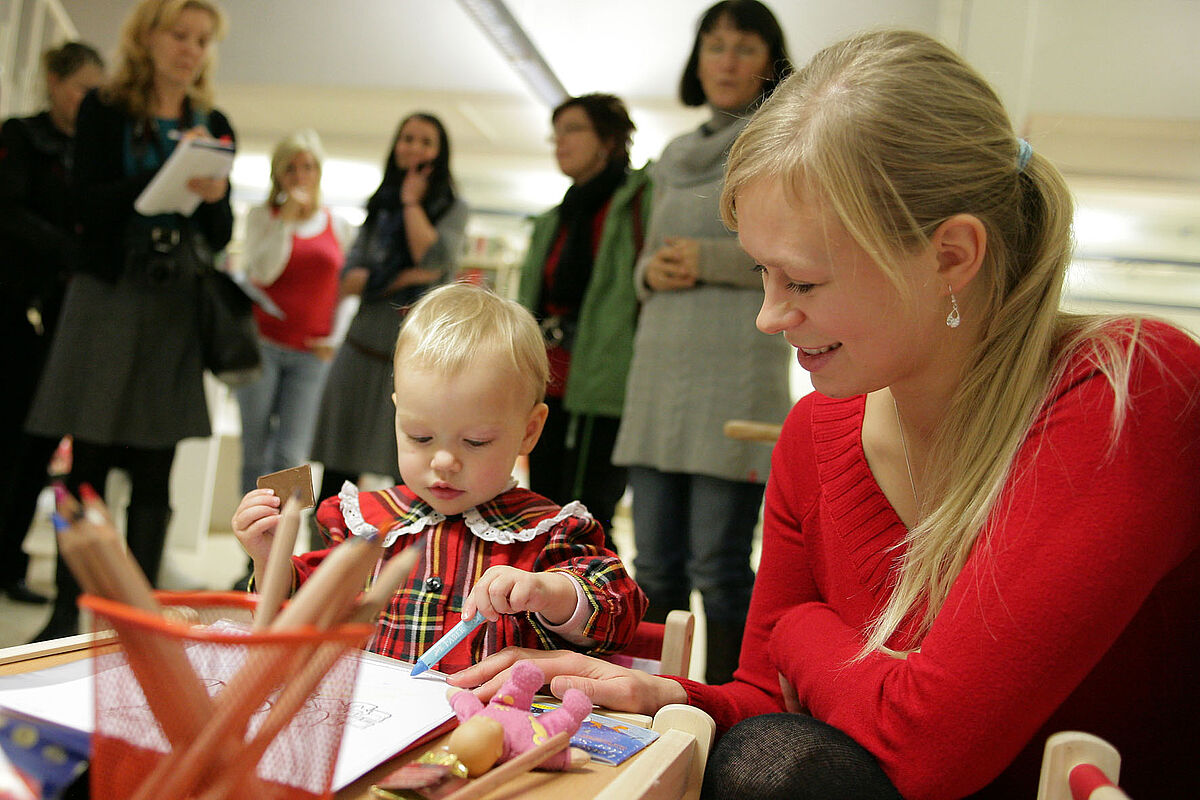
<point x="167" y="192"/>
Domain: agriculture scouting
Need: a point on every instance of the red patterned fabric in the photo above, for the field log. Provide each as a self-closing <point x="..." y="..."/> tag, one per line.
<point x="429" y="602"/>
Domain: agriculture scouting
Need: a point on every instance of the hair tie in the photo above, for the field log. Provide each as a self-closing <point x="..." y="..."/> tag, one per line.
<point x="1024" y="153"/>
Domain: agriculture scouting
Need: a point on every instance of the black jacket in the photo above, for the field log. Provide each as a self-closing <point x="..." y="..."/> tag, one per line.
<point x="37" y="240"/>
<point x="105" y="194"/>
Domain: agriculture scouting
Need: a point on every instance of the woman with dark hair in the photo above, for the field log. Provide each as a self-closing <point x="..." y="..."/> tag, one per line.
<point x="39" y="248"/>
<point x="698" y="360"/>
<point x="409" y="242"/>
<point x="578" y="280"/>
<point x="125" y="375"/>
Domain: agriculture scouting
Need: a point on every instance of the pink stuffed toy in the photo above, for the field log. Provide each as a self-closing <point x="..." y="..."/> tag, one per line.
<point x="524" y="730"/>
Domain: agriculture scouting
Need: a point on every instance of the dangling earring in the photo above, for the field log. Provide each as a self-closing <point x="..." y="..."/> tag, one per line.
<point x="953" y="319"/>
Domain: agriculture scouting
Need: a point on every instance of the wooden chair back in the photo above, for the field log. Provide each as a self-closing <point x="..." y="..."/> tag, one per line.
<point x="661" y="648"/>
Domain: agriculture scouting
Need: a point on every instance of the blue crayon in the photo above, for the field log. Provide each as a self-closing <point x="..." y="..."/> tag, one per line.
<point x="447" y="643"/>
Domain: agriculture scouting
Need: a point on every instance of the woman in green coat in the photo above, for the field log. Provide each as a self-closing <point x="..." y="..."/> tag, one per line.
<point x="578" y="280"/>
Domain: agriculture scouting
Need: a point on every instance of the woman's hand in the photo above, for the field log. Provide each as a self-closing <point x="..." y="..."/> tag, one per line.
<point x="298" y="206"/>
<point x="608" y="685"/>
<point x="210" y="189"/>
<point x="323" y="348"/>
<point x="354" y="280"/>
<point x="791" y="701"/>
<point x="195" y="132"/>
<point x="415" y="185"/>
<point x="674" y="266"/>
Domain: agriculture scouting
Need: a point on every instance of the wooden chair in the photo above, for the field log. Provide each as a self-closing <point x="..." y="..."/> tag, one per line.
<point x="1080" y="766"/>
<point x="662" y="649"/>
<point x="673" y="766"/>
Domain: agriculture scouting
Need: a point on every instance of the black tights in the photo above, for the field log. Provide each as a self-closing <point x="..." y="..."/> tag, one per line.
<point x="792" y="757"/>
<point x="149" y="471"/>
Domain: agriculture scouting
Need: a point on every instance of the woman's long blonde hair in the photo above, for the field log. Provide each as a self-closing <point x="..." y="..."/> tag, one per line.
<point x="134" y="78"/>
<point x="898" y="133"/>
<point x="304" y="140"/>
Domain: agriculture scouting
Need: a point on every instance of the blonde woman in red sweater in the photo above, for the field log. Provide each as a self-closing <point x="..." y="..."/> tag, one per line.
<point x="982" y="526"/>
<point x="294" y="249"/>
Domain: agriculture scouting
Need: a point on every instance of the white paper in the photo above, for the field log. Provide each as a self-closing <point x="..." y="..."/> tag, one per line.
<point x="167" y="192"/>
<point x="257" y="295"/>
<point x="389" y="712"/>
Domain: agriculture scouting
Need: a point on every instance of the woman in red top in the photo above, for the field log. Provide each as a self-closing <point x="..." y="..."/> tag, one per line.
<point x="982" y="527"/>
<point x="294" y="249"/>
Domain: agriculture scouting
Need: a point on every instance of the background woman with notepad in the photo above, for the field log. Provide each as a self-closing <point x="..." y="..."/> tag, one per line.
<point x="124" y="375"/>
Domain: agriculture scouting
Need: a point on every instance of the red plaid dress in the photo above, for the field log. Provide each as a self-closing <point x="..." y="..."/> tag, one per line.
<point x="517" y="528"/>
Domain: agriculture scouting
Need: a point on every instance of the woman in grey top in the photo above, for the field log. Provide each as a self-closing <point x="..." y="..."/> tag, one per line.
<point x="698" y="359"/>
<point x="410" y="241"/>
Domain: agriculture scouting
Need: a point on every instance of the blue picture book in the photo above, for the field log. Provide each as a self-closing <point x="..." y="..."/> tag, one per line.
<point x="608" y="740"/>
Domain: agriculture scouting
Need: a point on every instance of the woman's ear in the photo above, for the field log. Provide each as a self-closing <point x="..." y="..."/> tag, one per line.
<point x="610" y="147"/>
<point x="959" y="245"/>
<point x="533" y="427"/>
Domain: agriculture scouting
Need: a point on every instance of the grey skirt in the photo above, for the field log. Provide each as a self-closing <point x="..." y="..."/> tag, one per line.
<point x="124" y="367"/>
<point x="356" y="425"/>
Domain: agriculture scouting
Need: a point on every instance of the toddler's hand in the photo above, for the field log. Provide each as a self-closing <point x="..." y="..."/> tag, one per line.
<point x="507" y="590"/>
<point x="254" y="523"/>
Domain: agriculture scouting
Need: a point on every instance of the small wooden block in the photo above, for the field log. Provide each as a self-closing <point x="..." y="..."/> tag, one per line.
<point x="286" y="481"/>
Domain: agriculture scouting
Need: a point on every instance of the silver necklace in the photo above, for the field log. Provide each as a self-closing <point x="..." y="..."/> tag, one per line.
<point x="907" y="463"/>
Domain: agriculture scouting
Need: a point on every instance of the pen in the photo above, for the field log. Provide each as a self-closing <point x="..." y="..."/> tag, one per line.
<point x="447" y="643"/>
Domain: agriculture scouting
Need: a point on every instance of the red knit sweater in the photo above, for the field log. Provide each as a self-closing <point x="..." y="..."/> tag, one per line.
<point x="1079" y="609"/>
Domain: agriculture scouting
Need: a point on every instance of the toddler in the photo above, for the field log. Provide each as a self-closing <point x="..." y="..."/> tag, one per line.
<point x="470" y="376"/>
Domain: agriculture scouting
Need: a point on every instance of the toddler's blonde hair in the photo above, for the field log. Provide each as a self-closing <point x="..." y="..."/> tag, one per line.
<point x="456" y="326"/>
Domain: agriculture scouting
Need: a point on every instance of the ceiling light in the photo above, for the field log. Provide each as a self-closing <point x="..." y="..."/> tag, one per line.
<point x="510" y="39"/>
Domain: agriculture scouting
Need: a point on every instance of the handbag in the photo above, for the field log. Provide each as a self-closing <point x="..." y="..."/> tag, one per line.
<point x="161" y="256"/>
<point x="228" y="333"/>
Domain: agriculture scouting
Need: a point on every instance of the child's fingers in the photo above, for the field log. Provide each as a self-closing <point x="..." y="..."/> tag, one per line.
<point x="264" y="526"/>
<point x="480" y="600"/>
<point x="261" y="499"/>
<point x="509" y="591"/>
<point x="489" y="594"/>
<point x="255" y="521"/>
<point x="521" y="594"/>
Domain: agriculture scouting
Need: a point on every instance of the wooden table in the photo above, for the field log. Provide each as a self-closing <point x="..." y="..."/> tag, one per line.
<point x="671" y="767"/>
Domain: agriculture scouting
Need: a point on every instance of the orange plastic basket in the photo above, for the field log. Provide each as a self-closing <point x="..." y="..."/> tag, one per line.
<point x="129" y="739"/>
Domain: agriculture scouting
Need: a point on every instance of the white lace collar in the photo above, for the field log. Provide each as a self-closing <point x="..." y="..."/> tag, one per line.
<point x="422" y="516"/>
